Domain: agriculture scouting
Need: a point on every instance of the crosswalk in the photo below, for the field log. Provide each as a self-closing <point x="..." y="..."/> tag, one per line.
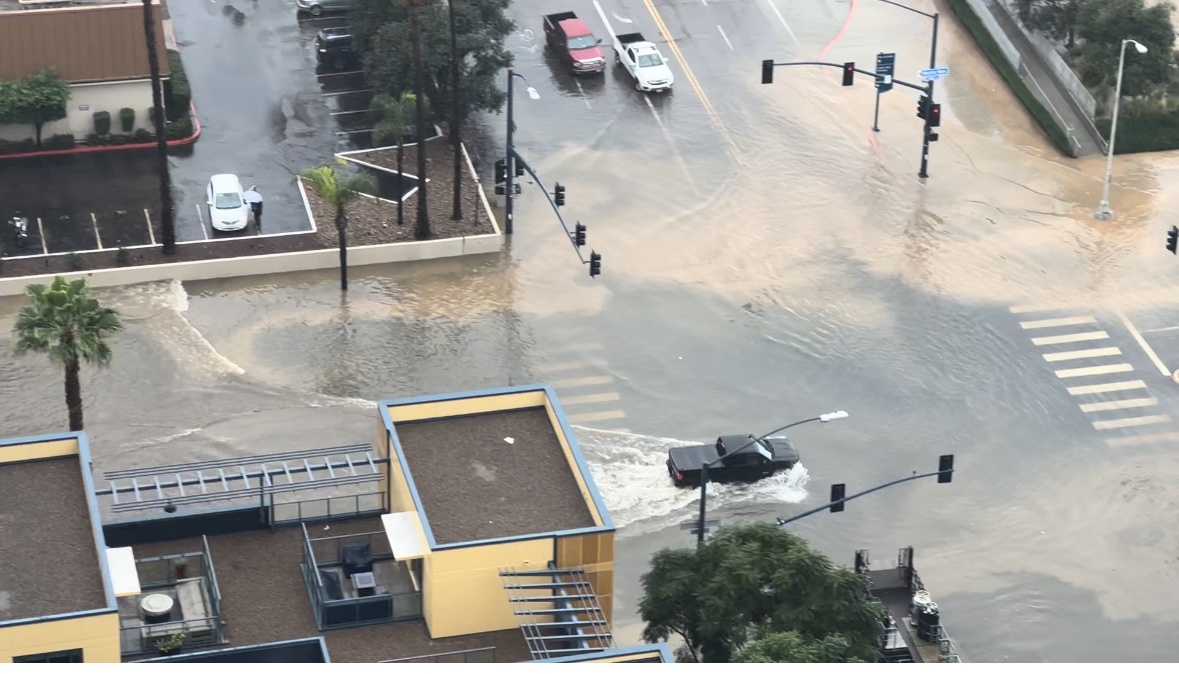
<point x="588" y="397"/>
<point x="1105" y="387"/>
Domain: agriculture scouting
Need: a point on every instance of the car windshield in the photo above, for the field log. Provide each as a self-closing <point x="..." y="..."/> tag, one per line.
<point x="582" y="42"/>
<point x="228" y="200"/>
<point x="649" y="60"/>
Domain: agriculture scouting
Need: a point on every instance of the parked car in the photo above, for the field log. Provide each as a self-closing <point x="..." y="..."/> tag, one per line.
<point x="734" y="458"/>
<point x="333" y="49"/>
<point x="228" y="210"/>
<point x="643" y="61"/>
<point x="318" y="7"/>
<point x="571" y="37"/>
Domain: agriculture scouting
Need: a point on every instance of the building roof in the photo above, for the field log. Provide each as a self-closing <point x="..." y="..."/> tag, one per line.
<point x="646" y="653"/>
<point x="497" y="473"/>
<point x="90" y="43"/>
<point x="52" y="555"/>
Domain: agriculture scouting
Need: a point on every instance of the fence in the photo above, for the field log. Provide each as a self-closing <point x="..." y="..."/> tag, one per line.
<point x="190" y="580"/>
<point x="335" y="507"/>
<point x="470" y="655"/>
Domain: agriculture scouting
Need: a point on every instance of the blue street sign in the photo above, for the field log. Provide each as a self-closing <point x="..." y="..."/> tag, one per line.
<point x="932" y="74"/>
<point x="885" y="67"/>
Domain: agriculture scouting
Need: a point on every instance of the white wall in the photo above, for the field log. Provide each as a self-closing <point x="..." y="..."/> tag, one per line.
<point x="110" y="96"/>
<point x="984" y="13"/>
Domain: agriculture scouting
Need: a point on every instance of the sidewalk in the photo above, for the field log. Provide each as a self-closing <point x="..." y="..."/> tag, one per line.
<point x="1046" y="87"/>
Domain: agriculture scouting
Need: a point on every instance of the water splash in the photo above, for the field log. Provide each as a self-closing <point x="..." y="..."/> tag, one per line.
<point x="632" y="478"/>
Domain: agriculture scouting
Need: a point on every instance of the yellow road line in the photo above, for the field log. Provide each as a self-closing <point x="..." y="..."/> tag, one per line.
<point x="675" y="48"/>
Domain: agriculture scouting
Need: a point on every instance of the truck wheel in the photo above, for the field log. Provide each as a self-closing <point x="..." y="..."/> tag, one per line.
<point x="638" y="86"/>
<point x="617" y="58"/>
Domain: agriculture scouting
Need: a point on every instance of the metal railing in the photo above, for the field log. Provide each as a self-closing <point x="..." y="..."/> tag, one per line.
<point x="335" y="507"/>
<point x="162" y="575"/>
<point x="470" y="655"/>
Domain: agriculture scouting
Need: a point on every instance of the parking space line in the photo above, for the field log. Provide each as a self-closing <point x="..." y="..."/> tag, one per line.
<point x="202" y="219"/>
<point x="1130" y="422"/>
<point x="596" y="416"/>
<point x="1119" y="405"/>
<point x="1069" y="339"/>
<point x="1091" y="371"/>
<point x="589" y="399"/>
<point x="1145" y="347"/>
<point x="1057" y="322"/>
<point x="583" y="381"/>
<point x="97" y="238"/>
<point x="150" y="232"/>
<point x="1107" y="388"/>
<point x="1086" y="353"/>
<point x="1142" y="439"/>
<point x="41" y="231"/>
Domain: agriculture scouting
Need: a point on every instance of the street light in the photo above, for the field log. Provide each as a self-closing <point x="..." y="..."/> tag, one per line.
<point x="509" y="183"/>
<point x="1103" y="210"/>
<point x="823" y="418"/>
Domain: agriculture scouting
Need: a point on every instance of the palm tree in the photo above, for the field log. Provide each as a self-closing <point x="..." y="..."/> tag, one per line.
<point x="64" y="322"/>
<point x="168" y="220"/>
<point x="337" y="189"/>
<point x="422" y="230"/>
<point x="391" y="123"/>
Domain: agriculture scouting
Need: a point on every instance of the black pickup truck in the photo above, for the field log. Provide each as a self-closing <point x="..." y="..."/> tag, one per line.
<point x="735" y="458"/>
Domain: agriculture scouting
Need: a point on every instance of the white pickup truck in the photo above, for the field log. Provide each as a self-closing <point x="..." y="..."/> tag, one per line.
<point x="643" y="61"/>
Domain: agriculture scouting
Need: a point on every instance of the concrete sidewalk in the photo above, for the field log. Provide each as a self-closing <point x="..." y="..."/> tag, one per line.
<point x="1045" y="86"/>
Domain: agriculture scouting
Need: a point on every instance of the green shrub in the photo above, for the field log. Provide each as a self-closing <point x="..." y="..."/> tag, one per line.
<point x="17" y="146"/>
<point x="77" y="262"/>
<point x="1148" y="133"/>
<point x="994" y="54"/>
<point x="122" y="257"/>
<point x="62" y="141"/>
<point x="102" y="123"/>
<point x="142" y="135"/>
<point x="127" y="120"/>
<point x="180" y="129"/>
<point x="177" y="93"/>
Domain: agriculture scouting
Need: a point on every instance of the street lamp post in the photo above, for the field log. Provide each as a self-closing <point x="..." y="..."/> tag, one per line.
<point x="510" y="159"/>
<point x="1103" y="210"/>
<point x="824" y="418"/>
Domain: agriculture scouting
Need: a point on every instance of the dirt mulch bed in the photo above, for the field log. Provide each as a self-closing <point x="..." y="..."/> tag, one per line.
<point x="370" y="221"/>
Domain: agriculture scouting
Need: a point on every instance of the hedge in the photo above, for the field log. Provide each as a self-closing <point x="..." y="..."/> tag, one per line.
<point x="1149" y="133"/>
<point x="986" y="42"/>
<point x="177" y="92"/>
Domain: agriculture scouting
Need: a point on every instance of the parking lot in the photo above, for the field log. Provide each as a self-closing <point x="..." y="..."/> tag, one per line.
<point x="267" y="112"/>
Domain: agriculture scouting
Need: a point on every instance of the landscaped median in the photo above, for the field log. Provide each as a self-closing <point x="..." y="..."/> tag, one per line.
<point x="371" y="224"/>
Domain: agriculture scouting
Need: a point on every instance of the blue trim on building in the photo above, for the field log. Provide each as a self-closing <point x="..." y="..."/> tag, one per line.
<point x="661" y="649"/>
<point x="36" y="620"/>
<point x="566" y="430"/>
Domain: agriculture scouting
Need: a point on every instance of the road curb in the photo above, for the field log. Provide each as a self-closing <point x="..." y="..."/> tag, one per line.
<point x="179" y="142"/>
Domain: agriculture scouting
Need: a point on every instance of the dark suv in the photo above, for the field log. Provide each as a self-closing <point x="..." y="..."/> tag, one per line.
<point x="333" y="49"/>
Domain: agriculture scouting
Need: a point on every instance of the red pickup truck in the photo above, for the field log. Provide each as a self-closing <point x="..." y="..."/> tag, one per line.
<point x="571" y="37"/>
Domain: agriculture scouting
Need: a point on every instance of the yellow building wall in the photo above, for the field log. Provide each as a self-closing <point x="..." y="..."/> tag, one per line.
<point x="401" y="500"/>
<point x="632" y="657"/>
<point x="97" y="636"/>
<point x="595" y="554"/>
<point x="577" y="476"/>
<point x="383" y="452"/>
<point x="39" y="450"/>
<point x="461" y="406"/>
<point x="464" y="593"/>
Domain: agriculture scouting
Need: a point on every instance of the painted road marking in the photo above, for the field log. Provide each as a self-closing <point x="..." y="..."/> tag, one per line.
<point x="1040" y="308"/>
<point x="1107" y="388"/>
<point x="1169" y="329"/>
<point x="596" y="416"/>
<point x="1057" y="322"/>
<point x="779" y="15"/>
<point x="97" y="238"/>
<point x="1069" y="339"/>
<point x="1119" y="405"/>
<point x="591" y="399"/>
<point x="570" y="365"/>
<point x="150" y="232"/>
<point x="1091" y="371"/>
<point x="1130" y="422"/>
<point x="41" y="230"/>
<point x="1086" y="353"/>
<point x="583" y="381"/>
<point x="583" y="96"/>
<point x="1142" y="439"/>
<point x="671" y="141"/>
<point x="1145" y="347"/>
<point x="723" y="36"/>
<point x="202" y="219"/>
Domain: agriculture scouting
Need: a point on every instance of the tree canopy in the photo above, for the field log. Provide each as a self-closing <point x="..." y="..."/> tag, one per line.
<point x="382" y="34"/>
<point x="36" y="99"/>
<point x="1055" y="18"/>
<point x="1101" y="27"/>
<point x="758" y="593"/>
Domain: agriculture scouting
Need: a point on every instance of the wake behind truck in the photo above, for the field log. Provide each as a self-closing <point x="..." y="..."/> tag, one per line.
<point x="643" y="60"/>
<point x="572" y="39"/>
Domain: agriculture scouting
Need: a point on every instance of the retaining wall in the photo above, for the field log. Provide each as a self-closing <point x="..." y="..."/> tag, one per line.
<point x="1005" y="45"/>
<point x="1064" y="74"/>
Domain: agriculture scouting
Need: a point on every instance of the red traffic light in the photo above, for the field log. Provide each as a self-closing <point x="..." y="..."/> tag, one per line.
<point x="849" y="71"/>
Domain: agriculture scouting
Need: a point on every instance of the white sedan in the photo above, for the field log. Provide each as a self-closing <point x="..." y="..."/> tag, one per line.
<point x="228" y="210"/>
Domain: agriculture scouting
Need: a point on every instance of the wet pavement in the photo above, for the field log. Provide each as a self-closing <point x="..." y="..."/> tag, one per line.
<point x="266" y="111"/>
<point x="766" y="257"/>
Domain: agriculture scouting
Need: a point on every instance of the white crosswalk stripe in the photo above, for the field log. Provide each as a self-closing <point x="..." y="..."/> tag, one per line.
<point x="1119" y="405"/>
<point x="588" y="396"/>
<point x="1069" y="339"/>
<point x="1129" y="422"/>
<point x="1057" y="322"/>
<point x="1135" y="440"/>
<point x="1106" y="388"/>
<point x="1086" y="353"/>
<point x="1093" y="371"/>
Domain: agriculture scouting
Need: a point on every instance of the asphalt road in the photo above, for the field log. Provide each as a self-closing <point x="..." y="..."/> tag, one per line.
<point x="766" y="257"/>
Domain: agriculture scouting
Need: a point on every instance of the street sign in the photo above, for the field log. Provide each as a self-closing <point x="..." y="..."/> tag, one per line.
<point x="885" y="68"/>
<point x="933" y="74"/>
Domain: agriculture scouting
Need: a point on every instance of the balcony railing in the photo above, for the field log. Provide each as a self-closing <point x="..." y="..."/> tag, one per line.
<point x="470" y="655"/>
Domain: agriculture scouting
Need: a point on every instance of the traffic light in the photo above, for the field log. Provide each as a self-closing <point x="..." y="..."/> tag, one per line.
<point x="519" y="169"/>
<point x="935" y="114"/>
<point x="559" y="194"/>
<point x="501" y="171"/>
<point x="595" y="264"/>
<point x="922" y="107"/>
<point x="849" y="71"/>
<point x="945" y="468"/>
<point x="1173" y="239"/>
<point x="579" y="234"/>
<point x="767" y="71"/>
<point x="837" y="491"/>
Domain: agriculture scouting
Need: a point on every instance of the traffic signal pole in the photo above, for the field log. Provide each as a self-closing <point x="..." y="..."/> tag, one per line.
<point x="510" y="180"/>
<point x="576" y="237"/>
<point x="925" y="138"/>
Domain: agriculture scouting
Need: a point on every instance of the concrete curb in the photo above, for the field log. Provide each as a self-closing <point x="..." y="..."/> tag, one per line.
<point x="179" y="142"/>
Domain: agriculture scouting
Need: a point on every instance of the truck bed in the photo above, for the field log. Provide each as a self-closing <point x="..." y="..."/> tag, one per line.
<point x="627" y="38"/>
<point x="554" y="19"/>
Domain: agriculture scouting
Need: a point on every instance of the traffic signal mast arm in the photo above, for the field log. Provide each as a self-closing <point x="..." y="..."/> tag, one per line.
<point x="869" y="73"/>
<point x="572" y="239"/>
